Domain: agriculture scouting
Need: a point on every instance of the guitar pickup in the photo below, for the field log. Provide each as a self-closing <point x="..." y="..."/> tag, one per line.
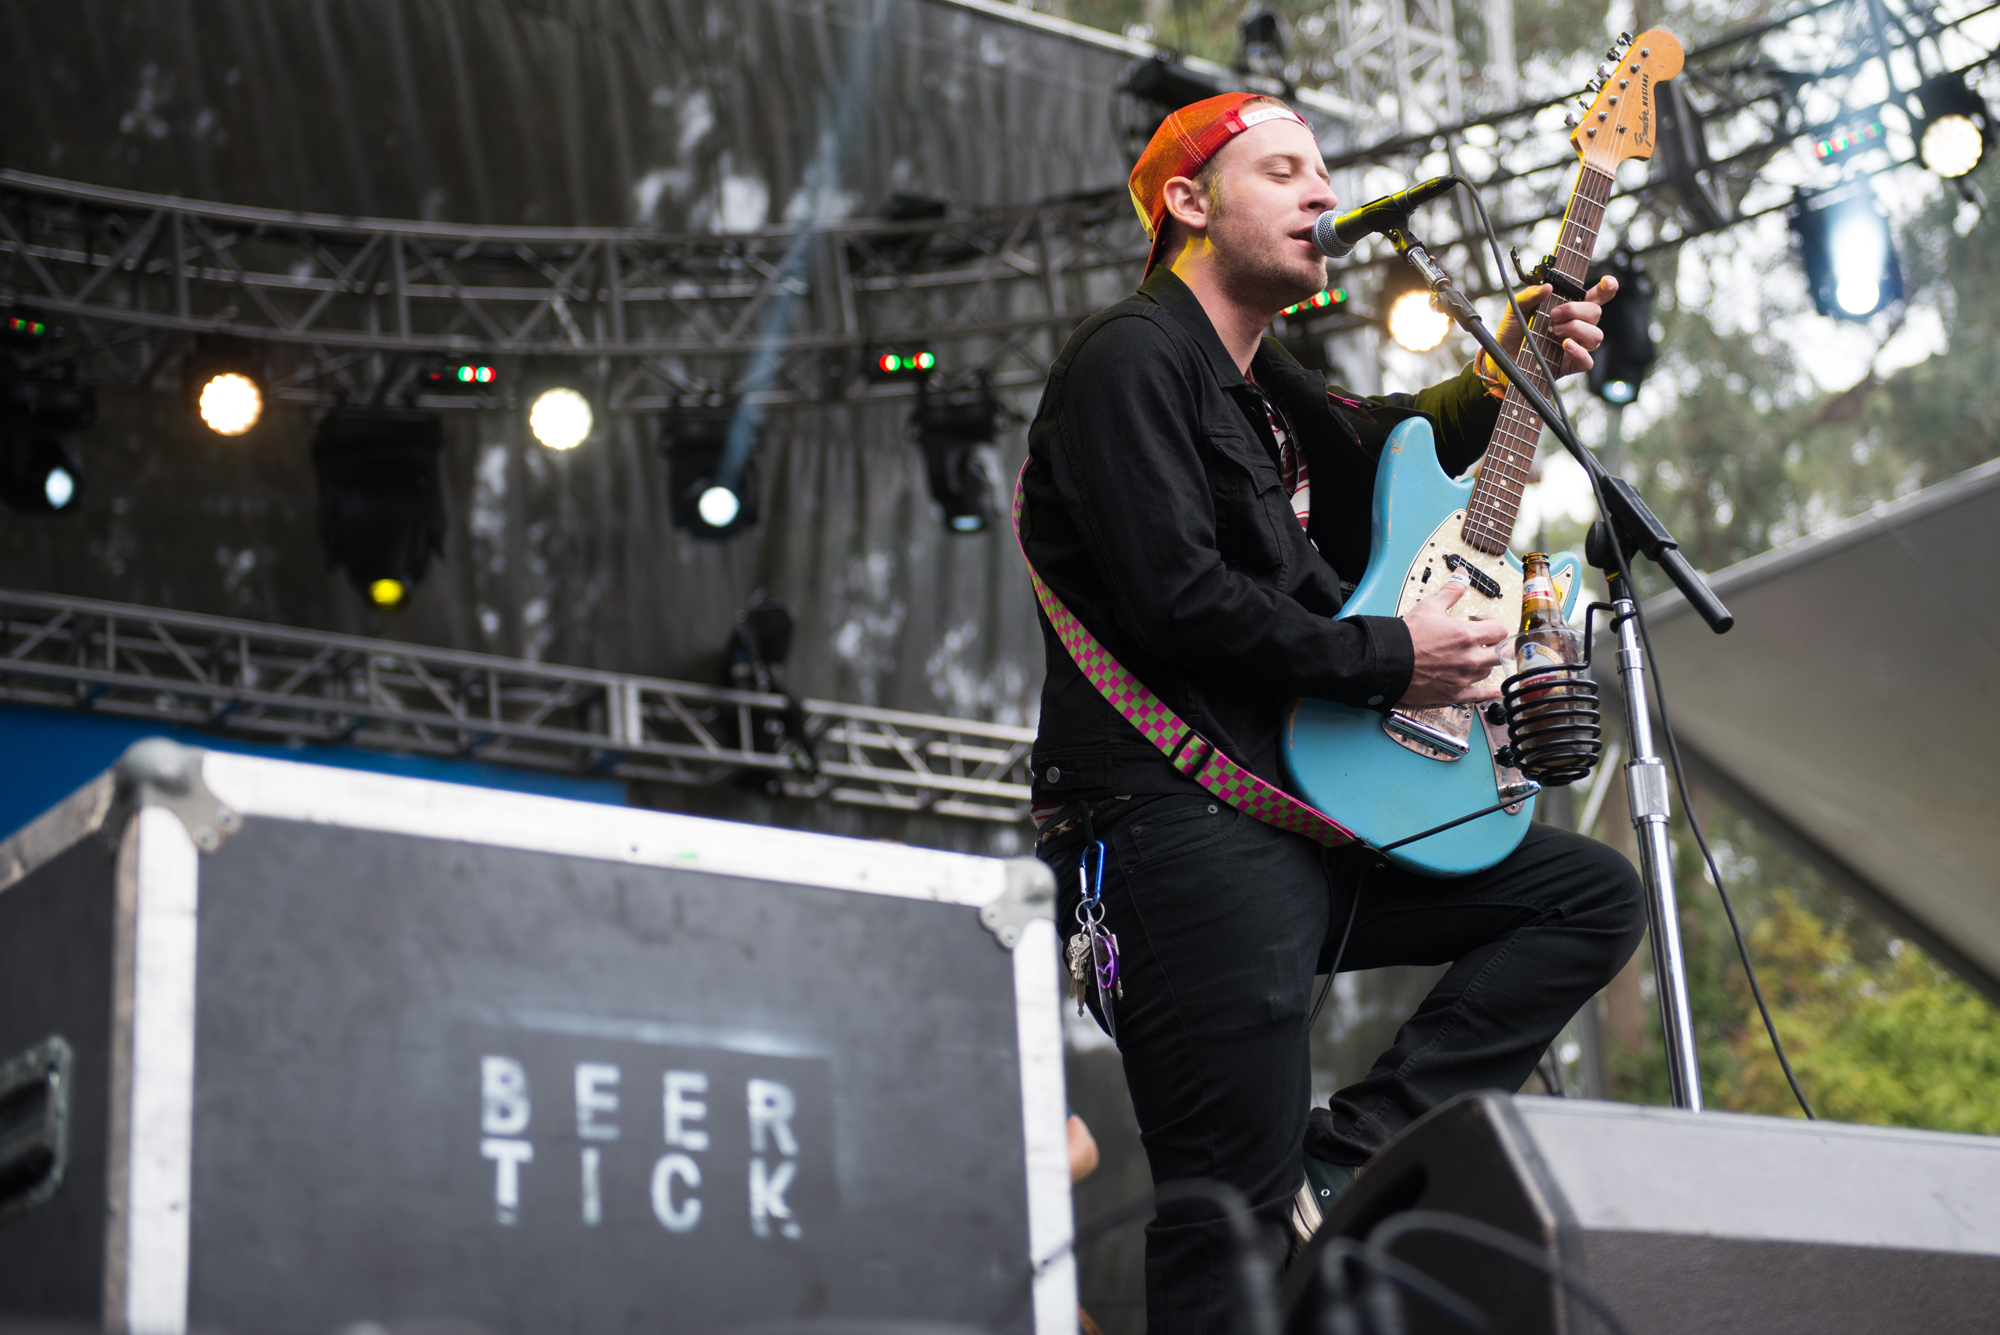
<point x="1479" y="579"/>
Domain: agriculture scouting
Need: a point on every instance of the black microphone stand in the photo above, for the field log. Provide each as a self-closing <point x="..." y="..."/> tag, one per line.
<point x="1625" y="525"/>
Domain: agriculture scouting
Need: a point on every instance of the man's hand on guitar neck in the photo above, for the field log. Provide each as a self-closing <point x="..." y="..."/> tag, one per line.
<point x="1453" y="655"/>
<point x="1574" y="322"/>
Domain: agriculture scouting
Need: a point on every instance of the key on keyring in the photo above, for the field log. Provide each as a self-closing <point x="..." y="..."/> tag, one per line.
<point x="1079" y="967"/>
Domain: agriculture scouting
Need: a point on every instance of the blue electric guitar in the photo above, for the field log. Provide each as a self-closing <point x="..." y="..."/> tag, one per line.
<point x="1389" y="776"/>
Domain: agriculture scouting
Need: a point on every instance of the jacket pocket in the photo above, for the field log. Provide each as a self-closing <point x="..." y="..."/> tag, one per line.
<point x="1071" y="769"/>
<point x="1250" y="504"/>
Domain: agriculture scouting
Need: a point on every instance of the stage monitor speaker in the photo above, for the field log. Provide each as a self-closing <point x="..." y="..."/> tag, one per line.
<point x="1686" y="1223"/>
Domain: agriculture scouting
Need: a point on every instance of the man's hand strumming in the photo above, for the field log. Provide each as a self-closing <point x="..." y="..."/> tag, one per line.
<point x="1452" y="655"/>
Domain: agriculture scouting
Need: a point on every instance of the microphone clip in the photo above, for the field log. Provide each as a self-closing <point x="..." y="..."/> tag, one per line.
<point x="1566" y="288"/>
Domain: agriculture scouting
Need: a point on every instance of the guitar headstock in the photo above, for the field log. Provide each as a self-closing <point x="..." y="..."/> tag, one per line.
<point x="1621" y="121"/>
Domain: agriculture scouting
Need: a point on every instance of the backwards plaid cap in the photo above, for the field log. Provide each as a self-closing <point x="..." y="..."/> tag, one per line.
<point x="1183" y="145"/>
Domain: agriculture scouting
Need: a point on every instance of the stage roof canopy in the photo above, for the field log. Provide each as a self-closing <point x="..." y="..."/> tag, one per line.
<point x="1855" y="709"/>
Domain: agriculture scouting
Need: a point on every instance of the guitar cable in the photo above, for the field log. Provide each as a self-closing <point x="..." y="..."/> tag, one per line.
<point x="1554" y="397"/>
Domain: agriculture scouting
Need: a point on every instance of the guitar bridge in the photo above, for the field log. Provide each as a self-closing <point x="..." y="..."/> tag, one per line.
<point x="1444" y="733"/>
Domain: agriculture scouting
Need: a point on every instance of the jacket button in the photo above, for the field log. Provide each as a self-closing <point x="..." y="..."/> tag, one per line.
<point x="1052" y="774"/>
<point x="1374" y="699"/>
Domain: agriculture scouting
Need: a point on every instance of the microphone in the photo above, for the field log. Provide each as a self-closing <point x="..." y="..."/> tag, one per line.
<point x="1336" y="236"/>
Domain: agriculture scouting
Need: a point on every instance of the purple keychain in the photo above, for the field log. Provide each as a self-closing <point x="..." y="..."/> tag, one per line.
<point x="1093" y="952"/>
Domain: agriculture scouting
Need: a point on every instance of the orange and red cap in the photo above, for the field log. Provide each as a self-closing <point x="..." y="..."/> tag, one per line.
<point x="1183" y="145"/>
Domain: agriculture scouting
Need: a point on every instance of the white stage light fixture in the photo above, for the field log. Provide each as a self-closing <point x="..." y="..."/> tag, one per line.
<point x="1952" y="145"/>
<point x="1954" y="128"/>
<point x="230" y="403"/>
<point x="1850" y="262"/>
<point x="560" y="418"/>
<point x="1414" y="325"/>
<point x="718" y="507"/>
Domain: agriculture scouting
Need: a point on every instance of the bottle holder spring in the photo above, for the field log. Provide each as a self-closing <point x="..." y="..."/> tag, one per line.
<point x="1555" y="727"/>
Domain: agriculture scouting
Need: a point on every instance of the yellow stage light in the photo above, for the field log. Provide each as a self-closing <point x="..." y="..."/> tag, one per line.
<point x="231" y="403"/>
<point x="1414" y="325"/>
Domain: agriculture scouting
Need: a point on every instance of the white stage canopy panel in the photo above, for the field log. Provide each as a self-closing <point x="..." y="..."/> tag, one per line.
<point x="1855" y="709"/>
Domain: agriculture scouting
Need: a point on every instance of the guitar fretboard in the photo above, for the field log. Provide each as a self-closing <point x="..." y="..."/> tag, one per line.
<point x="1496" y="500"/>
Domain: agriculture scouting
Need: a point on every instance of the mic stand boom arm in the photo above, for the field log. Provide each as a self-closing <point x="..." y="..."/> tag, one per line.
<point x="1638" y="527"/>
<point x="1646" y="789"/>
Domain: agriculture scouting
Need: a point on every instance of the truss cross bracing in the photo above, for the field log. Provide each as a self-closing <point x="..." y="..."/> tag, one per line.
<point x="276" y="684"/>
<point x="351" y="308"/>
<point x="1754" y="100"/>
<point x="1398" y="59"/>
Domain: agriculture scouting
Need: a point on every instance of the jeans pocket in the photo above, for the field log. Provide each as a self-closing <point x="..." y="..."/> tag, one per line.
<point x="1176" y="826"/>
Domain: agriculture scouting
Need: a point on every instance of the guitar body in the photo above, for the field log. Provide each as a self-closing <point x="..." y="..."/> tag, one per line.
<point x="1342" y="759"/>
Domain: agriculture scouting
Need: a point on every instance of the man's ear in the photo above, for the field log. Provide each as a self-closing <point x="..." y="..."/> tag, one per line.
<point x="1187" y="202"/>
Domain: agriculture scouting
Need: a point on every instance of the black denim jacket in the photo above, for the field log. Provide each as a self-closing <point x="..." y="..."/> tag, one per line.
<point x="1155" y="512"/>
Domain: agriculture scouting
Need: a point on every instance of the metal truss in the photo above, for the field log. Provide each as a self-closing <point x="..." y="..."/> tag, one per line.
<point x="1746" y="104"/>
<point x="1396" y="58"/>
<point x="270" y="683"/>
<point x="351" y="309"/>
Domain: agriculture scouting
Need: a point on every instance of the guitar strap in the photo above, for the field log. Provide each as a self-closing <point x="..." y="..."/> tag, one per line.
<point x="1185" y="749"/>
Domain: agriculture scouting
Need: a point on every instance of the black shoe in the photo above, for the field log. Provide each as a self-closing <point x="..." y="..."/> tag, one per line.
<point x="1323" y="1185"/>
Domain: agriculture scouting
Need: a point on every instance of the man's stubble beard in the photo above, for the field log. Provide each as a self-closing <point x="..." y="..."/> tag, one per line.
<point x="1257" y="274"/>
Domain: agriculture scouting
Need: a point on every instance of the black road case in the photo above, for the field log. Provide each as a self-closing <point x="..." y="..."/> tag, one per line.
<point x="286" y="1048"/>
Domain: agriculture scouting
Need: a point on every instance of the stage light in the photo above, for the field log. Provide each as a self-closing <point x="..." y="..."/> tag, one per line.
<point x="1621" y="362"/>
<point x="902" y="365"/>
<point x="223" y="379"/>
<point x="1414" y="324"/>
<point x="754" y="659"/>
<point x="381" y="497"/>
<point x="560" y="418"/>
<point x="1162" y="80"/>
<point x="24" y="328"/>
<point x="955" y="427"/>
<point x="1844" y="141"/>
<point x="1952" y="145"/>
<point x="1333" y="296"/>
<point x="695" y="439"/>
<point x="1850" y="263"/>
<point x="1955" y="127"/>
<point x="470" y="377"/>
<point x="41" y="467"/>
<point x="719" y="506"/>
<point x="230" y="404"/>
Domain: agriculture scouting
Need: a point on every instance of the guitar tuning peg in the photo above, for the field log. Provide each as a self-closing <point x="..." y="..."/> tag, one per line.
<point x="1603" y="72"/>
<point x="1625" y="39"/>
<point x="1569" y="119"/>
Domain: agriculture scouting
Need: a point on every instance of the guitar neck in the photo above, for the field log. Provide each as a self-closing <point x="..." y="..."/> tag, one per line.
<point x="1496" y="500"/>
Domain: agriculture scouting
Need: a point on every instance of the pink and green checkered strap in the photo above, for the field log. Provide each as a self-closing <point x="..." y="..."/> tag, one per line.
<point x="1185" y="749"/>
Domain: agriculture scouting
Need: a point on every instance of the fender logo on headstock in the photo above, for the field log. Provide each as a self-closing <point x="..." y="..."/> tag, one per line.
<point x="1645" y="135"/>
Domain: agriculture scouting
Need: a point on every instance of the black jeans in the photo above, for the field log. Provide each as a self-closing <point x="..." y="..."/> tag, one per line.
<point x="1222" y="922"/>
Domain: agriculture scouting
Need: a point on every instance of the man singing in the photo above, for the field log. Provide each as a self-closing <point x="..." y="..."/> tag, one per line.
<point x="1198" y="501"/>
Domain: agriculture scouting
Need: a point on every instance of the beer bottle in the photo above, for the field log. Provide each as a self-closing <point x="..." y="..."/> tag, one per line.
<point x="1545" y="638"/>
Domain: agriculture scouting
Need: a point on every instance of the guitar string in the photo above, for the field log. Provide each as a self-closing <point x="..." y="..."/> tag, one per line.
<point x="1495" y="504"/>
